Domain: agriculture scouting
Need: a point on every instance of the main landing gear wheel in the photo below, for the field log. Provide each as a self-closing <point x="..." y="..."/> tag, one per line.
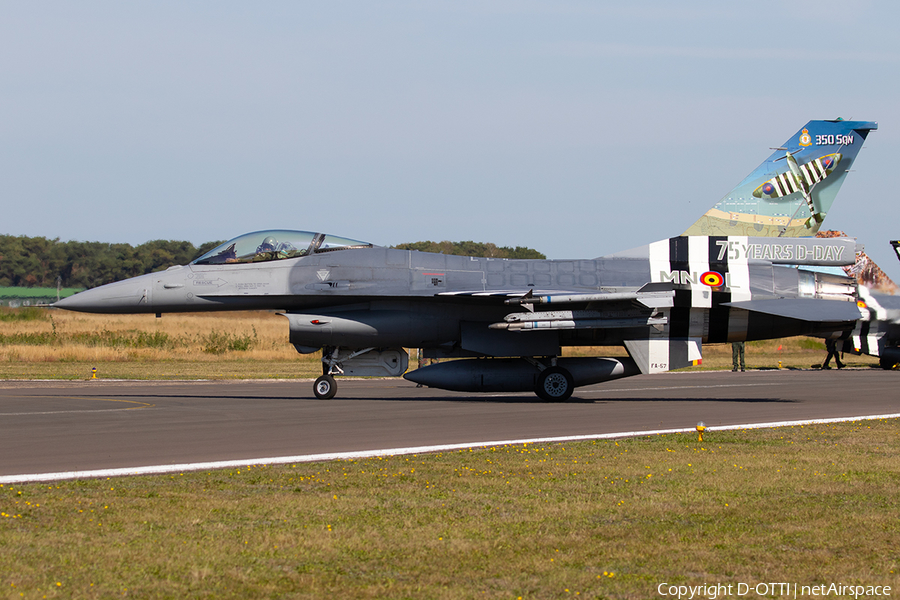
<point x="554" y="385"/>
<point x="325" y="387"/>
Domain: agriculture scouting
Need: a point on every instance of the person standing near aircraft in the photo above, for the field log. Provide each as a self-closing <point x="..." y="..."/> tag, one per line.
<point x="831" y="346"/>
<point x="737" y="355"/>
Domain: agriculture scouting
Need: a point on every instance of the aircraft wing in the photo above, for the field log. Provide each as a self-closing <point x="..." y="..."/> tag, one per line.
<point x="610" y="310"/>
<point x="802" y="309"/>
<point x="643" y="310"/>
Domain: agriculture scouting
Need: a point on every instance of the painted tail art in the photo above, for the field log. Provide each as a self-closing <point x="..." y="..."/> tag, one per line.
<point x="790" y="193"/>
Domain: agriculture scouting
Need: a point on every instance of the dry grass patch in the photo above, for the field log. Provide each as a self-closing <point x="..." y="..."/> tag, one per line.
<point x="68" y="345"/>
<point x="52" y="344"/>
<point x="172" y="336"/>
<point x="607" y="519"/>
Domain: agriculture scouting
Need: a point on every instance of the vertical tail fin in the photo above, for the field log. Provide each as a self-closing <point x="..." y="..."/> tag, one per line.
<point x="789" y="194"/>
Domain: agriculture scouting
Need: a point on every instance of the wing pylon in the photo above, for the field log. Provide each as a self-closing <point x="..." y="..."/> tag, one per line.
<point x="638" y="309"/>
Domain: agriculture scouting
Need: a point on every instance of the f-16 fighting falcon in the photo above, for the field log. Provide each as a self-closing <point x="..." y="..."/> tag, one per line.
<point x="507" y="320"/>
<point x="877" y="333"/>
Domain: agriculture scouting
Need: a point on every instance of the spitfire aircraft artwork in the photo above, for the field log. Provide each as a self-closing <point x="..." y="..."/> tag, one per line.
<point x="507" y="321"/>
<point x="801" y="178"/>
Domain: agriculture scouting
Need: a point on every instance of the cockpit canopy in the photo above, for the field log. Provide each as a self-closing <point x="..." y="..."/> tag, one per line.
<point x="275" y="244"/>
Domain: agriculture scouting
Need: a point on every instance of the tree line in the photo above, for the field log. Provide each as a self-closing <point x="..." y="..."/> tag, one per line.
<point x="42" y="262"/>
<point x="469" y="248"/>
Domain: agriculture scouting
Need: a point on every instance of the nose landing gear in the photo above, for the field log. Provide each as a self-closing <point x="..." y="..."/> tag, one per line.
<point x="325" y="387"/>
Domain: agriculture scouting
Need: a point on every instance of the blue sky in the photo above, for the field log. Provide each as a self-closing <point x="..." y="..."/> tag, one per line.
<point x="576" y="128"/>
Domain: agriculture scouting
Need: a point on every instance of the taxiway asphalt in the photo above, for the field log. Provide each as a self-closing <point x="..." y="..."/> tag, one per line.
<point x="51" y="427"/>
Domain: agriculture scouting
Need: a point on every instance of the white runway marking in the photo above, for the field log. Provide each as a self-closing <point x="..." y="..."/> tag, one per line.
<point x="281" y="460"/>
<point x="676" y="387"/>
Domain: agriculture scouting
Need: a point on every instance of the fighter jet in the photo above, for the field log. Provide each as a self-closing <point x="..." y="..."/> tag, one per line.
<point x="877" y="333"/>
<point x="507" y="321"/>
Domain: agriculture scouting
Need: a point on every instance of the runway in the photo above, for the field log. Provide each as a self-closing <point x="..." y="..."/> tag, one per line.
<point x="51" y="427"/>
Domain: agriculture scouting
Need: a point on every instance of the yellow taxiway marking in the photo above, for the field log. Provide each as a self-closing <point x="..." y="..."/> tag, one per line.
<point x="137" y="406"/>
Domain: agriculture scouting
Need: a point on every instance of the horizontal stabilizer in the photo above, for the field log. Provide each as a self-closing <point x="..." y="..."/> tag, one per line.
<point x="802" y="309"/>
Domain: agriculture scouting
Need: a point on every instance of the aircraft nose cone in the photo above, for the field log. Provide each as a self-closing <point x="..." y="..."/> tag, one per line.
<point x="120" y="297"/>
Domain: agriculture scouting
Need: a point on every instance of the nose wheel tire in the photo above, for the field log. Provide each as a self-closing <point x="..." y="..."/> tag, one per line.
<point x="554" y="385"/>
<point x="325" y="387"/>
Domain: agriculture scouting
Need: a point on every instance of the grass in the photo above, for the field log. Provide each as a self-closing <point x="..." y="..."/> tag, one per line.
<point x="64" y="345"/>
<point x="10" y="315"/>
<point x="43" y="344"/>
<point x="606" y="519"/>
<point x="204" y="367"/>
<point x="787" y="353"/>
<point x="610" y="519"/>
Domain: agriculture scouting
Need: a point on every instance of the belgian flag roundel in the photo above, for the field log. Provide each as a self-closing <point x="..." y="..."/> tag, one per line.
<point x="712" y="279"/>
